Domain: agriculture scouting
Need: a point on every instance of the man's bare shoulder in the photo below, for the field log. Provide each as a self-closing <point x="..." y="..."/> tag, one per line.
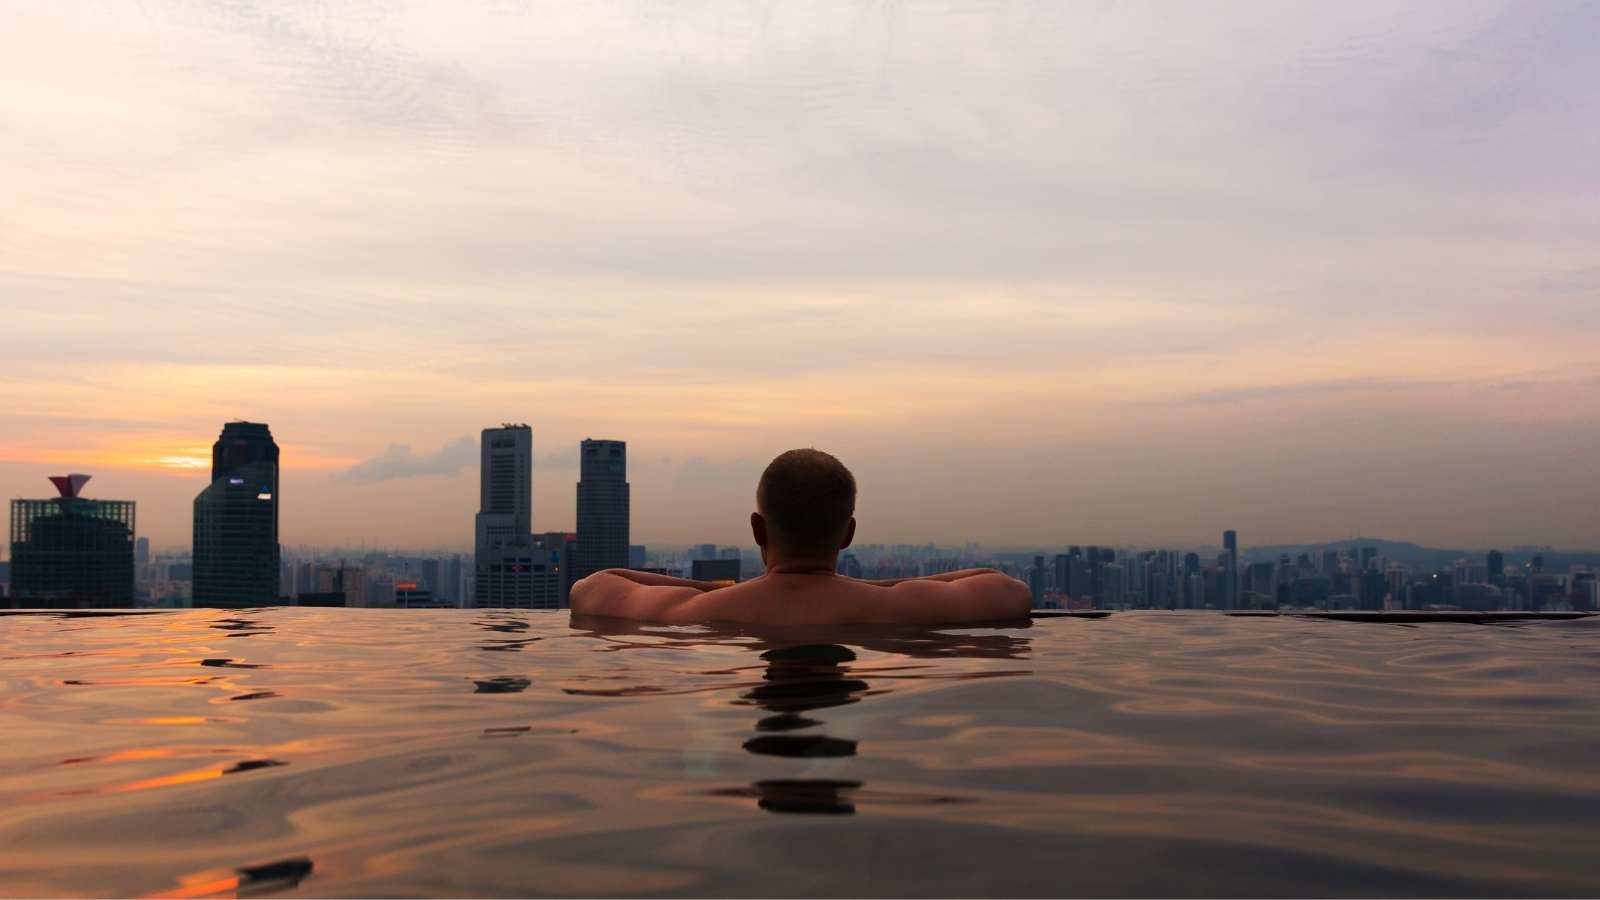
<point x="835" y="600"/>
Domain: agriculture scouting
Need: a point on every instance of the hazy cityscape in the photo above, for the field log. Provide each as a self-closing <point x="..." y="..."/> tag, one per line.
<point x="76" y="551"/>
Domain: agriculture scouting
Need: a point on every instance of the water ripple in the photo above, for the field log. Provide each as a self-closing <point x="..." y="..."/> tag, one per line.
<point x="1130" y="755"/>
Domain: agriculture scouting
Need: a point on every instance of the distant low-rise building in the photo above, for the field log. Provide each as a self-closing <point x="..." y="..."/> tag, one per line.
<point x="717" y="570"/>
<point x="414" y="595"/>
<point x="553" y="571"/>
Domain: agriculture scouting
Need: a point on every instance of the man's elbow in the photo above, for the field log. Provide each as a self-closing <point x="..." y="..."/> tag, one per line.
<point x="588" y="593"/>
<point x="1011" y="599"/>
<point x="581" y="598"/>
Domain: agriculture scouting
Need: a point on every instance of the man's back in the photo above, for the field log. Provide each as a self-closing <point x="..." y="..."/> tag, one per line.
<point x="809" y="599"/>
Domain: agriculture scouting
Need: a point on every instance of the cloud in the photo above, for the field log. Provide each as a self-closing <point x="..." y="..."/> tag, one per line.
<point x="700" y="472"/>
<point x="399" y="462"/>
<point x="1307" y="389"/>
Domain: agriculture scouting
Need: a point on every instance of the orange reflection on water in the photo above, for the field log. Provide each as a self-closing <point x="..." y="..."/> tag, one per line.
<point x="122" y="756"/>
<point x="211" y="883"/>
<point x="164" y="781"/>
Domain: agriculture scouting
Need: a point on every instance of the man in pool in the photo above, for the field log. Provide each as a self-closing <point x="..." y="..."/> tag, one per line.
<point x="805" y="514"/>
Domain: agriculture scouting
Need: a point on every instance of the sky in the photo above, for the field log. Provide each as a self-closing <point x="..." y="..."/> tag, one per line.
<point x="1039" y="273"/>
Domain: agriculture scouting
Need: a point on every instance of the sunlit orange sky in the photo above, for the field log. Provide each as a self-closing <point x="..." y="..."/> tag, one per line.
<point x="1041" y="273"/>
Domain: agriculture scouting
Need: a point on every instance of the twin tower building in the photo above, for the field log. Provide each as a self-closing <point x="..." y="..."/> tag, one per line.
<point x="236" y="548"/>
<point x="520" y="569"/>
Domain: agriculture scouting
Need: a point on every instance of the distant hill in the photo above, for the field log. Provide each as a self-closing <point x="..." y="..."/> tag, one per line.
<point x="1412" y="556"/>
<point x="1416" y="556"/>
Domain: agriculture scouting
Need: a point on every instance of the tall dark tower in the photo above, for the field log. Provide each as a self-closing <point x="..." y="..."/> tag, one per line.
<point x="236" y="521"/>
<point x="503" y="548"/>
<point x="602" y="507"/>
<point x="1496" y="567"/>
<point x="1230" y="552"/>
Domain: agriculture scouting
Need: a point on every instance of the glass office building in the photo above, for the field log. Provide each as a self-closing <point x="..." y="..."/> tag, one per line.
<point x="236" y="521"/>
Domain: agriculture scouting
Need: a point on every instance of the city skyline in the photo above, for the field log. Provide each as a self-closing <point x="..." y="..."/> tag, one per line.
<point x="76" y="551"/>
<point x="1296" y="269"/>
<point x="742" y="539"/>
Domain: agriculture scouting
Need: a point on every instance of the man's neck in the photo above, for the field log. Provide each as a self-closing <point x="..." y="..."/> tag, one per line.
<point x="802" y="567"/>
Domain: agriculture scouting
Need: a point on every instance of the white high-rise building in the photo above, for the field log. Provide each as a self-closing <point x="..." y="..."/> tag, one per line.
<point x="503" y="546"/>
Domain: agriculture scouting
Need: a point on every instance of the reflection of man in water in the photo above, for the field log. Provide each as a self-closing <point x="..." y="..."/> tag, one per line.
<point x="802" y="678"/>
<point x="805" y="514"/>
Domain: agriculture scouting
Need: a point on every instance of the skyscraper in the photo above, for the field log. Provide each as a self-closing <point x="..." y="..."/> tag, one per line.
<point x="503" y="539"/>
<point x="1497" y="567"/>
<point x="454" y="587"/>
<point x="71" y="552"/>
<point x="602" y="507"/>
<point x="1062" y="566"/>
<point x="236" y="521"/>
<point x="1230" y="569"/>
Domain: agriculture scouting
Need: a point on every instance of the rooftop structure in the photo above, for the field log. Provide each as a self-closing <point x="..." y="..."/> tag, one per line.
<point x="71" y="552"/>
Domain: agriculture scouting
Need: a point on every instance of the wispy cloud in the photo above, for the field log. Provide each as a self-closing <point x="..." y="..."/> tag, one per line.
<point x="400" y="462"/>
<point x="1305" y="389"/>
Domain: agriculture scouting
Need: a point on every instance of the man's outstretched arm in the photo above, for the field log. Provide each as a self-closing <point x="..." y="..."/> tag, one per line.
<point x="979" y="596"/>
<point x="942" y="576"/>
<point x="655" y="579"/>
<point x="625" y="594"/>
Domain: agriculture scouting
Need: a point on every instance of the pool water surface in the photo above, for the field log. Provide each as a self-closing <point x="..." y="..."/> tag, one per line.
<point x="361" y="752"/>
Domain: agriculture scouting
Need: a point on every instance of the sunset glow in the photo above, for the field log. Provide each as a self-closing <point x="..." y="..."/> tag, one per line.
<point x="1035" y="277"/>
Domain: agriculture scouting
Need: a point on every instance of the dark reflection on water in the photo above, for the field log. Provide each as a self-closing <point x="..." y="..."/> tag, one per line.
<point x="1134" y="755"/>
<point x="507" y="731"/>
<point x="242" y="627"/>
<point x="800" y="745"/>
<point x="245" y="881"/>
<point x="506" y="646"/>
<point x="256" y="695"/>
<point x="274" y="876"/>
<point x="798" y="678"/>
<point x="501" y="684"/>
<point x="227" y="664"/>
<point x="799" y="795"/>
<point x="250" y="765"/>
